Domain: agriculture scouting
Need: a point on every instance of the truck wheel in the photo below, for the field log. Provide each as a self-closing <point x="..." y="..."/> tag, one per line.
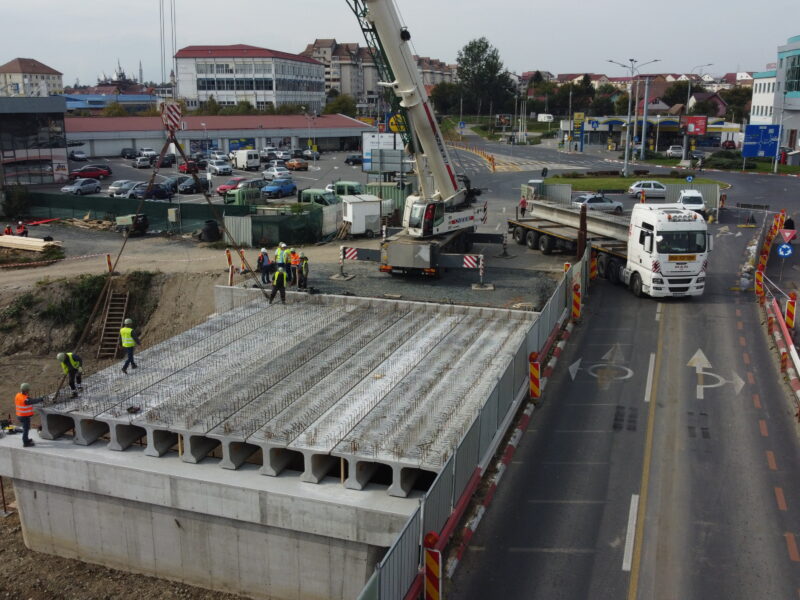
<point x="613" y="271"/>
<point x="602" y="265"/>
<point x="545" y="244"/>
<point x="369" y="234"/>
<point x="636" y="285"/>
<point x="618" y="210"/>
<point x="519" y="235"/>
<point x="532" y="240"/>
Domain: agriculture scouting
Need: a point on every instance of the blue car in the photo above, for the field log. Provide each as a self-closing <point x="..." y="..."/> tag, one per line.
<point x="278" y="188"/>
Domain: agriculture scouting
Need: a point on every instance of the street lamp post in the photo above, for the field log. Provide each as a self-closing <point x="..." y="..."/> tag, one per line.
<point x="658" y="129"/>
<point x="632" y="68"/>
<point x="780" y="131"/>
<point x="205" y="137"/>
<point x="686" y="108"/>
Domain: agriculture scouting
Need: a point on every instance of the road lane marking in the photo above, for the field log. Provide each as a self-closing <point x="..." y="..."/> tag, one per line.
<point x="633" y="586"/>
<point x="773" y="466"/>
<point x="762" y="425"/>
<point x="630" y="535"/>
<point x="648" y="386"/>
<point x="583" y="431"/>
<point x="659" y="308"/>
<point x="568" y="501"/>
<point x="780" y="499"/>
<point x="791" y="546"/>
<point x="757" y="401"/>
<point x="571" y="462"/>
<point x="742" y="341"/>
<point x="750" y="379"/>
<point x="740" y="325"/>
<point x="746" y="358"/>
<point x="555" y="550"/>
<point x="738" y="312"/>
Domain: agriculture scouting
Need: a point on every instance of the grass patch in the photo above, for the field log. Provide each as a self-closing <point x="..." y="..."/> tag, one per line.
<point x="595" y="184"/>
<point x="51" y="253"/>
<point x="10" y="315"/>
<point x="76" y="302"/>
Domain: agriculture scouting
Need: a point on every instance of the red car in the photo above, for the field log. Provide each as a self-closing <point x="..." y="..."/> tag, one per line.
<point x="91" y="172"/>
<point x="230" y="185"/>
<point x="729" y="145"/>
<point x="188" y="167"/>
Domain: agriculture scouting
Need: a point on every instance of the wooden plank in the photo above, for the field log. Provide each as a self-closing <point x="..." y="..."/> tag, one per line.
<point x="26" y="243"/>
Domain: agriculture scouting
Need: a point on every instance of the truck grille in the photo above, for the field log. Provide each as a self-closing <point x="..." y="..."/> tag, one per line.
<point x="679" y="289"/>
<point x="672" y="280"/>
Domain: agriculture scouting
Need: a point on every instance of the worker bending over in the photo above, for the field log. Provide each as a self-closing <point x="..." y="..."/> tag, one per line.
<point x="129" y="341"/>
<point x="72" y="365"/>
<point x="23" y="405"/>
<point x="279" y="285"/>
<point x="22" y="230"/>
<point x="8" y="230"/>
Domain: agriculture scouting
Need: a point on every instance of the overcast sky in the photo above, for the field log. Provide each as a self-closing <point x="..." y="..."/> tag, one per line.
<point x="82" y="39"/>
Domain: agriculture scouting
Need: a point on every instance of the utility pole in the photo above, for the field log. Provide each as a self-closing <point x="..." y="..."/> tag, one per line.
<point x="780" y="130"/>
<point x="569" y="110"/>
<point x="644" y="116"/>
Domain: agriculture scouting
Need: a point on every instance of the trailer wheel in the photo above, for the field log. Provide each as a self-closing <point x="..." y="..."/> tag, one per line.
<point x="636" y="285"/>
<point x="613" y="271"/>
<point x="369" y="234"/>
<point x="519" y="235"/>
<point x="532" y="239"/>
<point x="545" y="244"/>
<point x="602" y="266"/>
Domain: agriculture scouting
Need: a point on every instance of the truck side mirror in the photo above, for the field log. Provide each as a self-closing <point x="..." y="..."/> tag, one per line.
<point x="648" y="244"/>
<point x="710" y="242"/>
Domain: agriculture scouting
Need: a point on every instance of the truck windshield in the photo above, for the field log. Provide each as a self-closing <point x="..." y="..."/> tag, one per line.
<point x="681" y="241"/>
<point x="330" y="198"/>
<point x="415" y="219"/>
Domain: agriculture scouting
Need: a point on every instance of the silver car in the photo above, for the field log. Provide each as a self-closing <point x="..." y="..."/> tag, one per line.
<point x="598" y="202"/>
<point x="276" y="172"/>
<point x="675" y="152"/>
<point x="219" y="167"/>
<point x="116" y="186"/>
<point x="651" y="189"/>
<point x="82" y="186"/>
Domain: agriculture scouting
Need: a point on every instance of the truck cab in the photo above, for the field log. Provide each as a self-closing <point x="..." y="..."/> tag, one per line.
<point x="318" y="196"/>
<point x="345" y="188"/>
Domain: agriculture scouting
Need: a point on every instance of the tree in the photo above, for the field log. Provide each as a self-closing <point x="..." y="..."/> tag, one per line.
<point x="704" y="107"/>
<point x="343" y="104"/>
<point x="586" y="88"/>
<point x="446" y="98"/>
<point x="621" y="105"/>
<point x="677" y="92"/>
<point x="209" y="107"/>
<point x="483" y="78"/>
<point x="602" y="106"/>
<point x="114" y="109"/>
<point x="332" y="93"/>
<point x="537" y="79"/>
<point x="606" y="89"/>
<point x="737" y="99"/>
<point x="289" y="109"/>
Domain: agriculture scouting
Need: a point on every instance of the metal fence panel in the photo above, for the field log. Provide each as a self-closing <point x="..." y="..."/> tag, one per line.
<point x="560" y="193"/>
<point x="488" y="418"/>
<point x="371" y="590"/>
<point x="710" y="193"/>
<point x="466" y="459"/>
<point x="533" y="335"/>
<point x="439" y="499"/>
<point x="401" y="563"/>
<point x="240" y="230"/>
<point x="521" y="367"/>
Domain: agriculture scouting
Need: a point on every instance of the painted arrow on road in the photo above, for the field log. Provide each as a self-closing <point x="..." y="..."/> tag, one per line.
<point x="699" y="362"/>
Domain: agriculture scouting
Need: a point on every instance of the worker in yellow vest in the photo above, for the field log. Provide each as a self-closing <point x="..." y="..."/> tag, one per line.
<point x="281" y="256"/>
<point x="23" y="405"/>
<point x="279" y="285"/>
<point x="72" y="365"/>
<point x="303" y="272"/>
<point x="129" y="341"/>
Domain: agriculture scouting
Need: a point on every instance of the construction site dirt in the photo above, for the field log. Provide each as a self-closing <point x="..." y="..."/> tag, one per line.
<point x="181" y="297"/>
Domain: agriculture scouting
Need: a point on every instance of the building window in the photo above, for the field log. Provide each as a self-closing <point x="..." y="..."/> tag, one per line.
<point x="224" y="69"/>
<point x="793" y="74"/>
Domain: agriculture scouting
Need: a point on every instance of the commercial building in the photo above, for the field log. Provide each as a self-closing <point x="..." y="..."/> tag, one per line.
<point x="237" y="73"/>
<point x="107" y="136"/>
<point x="32" y="141"/>
<point x="762" y="103"/>
<point x="29" y="77"/>
<point x="787" y="88"/>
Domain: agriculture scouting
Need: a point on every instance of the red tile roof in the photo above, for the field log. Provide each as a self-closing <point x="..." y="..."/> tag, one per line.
<point x="238" y="51"/>
<point x="27" y="65"/>
<point x="213" y="123"/>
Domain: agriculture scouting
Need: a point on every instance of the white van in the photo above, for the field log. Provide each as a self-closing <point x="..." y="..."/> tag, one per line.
<point x="544" y="118"/>
<point x="692" y="200"/>
<point x="246" y="160"/>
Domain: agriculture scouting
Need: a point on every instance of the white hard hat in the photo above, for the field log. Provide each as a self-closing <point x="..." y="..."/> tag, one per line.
<point x="283" y="245"/>
<point x="263" y="251"/>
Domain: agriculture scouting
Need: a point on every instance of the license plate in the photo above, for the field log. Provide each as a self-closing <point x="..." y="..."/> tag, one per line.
<point x="682" y="257"/>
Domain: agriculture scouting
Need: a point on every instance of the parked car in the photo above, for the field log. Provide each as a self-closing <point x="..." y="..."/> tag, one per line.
<point x="275" y="172"/>
<point x="276" y="163"/>
<point x="92" y="172"/>
<point x="82" y="186"/>
<point x="697" y="154"/>
<point x="297" y="153"/>
<point x="190" y="186"/>
<point x="78" y="155"/>
<point x="229" y="185"/>
<point x="283" y="154"/>
<point x="728" y="145"/>
<point x="266" y="151"/>
<point x="129" y="153"/>
<point x="675" y="152"/>
<point x="141" y="162"/>
<point x="173" y="182"/>
<point x="354" y="159"/>
<point x="157" y="192"/>
<point x="651" y="189"/>
<point x="278" y="188"/>
<point x="218" y="155"/>
<point x="311" y="154"/>
<point x="116" y="186"/>
<point x="598" y="202"/>
<point x="219" y="167"/>
<point x="125" y="189"/>
<point x="147" y="152"/>
<point x="188" y="167"/>
<point x="297" y="164"/>
<point x="167" y="161"/>
<point x="198" y="156"/>
<point x="105" y="167"/>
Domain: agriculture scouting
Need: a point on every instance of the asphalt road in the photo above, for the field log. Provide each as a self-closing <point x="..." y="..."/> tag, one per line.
<point x="676" y="406"/>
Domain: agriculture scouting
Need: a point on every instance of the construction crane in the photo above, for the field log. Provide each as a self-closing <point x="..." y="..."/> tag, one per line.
<point x="444" y="215"/>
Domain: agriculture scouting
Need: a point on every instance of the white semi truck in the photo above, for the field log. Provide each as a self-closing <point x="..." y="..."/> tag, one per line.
<point x="659" y="250"/>
<point x="441" y="221"/>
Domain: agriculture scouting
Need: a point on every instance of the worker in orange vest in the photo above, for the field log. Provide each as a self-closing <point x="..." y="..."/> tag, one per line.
<point x="24" y="407"/>
<point x="294" y="261"/>
<point x="22" y="230"/>
<point x="8" y="230"/>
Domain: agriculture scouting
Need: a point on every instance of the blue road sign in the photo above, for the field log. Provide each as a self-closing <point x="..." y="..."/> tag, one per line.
<point x="594" y="124"/>
<point x="461" y="124"/>
<point x="784" y="250"/>
<point x="690" y="178"/>
<point x="760" y="140"/>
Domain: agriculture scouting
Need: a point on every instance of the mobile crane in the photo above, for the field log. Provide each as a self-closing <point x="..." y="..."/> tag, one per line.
<point x="440" y="221"/>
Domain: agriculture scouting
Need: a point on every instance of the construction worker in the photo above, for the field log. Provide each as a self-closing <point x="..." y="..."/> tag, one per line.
<point x="264" y="265"/>
<point x="294" y="260"/>
<point x="21" y="229"/>
<point x="281" y="256"/>
<point x="8" y="230"/>
<point x="23" y="404"/>
<point x="303" y="272"/>
<point x="72" y="365"/>
<point x="279" y="285"/>
<point x="129" y="341"/>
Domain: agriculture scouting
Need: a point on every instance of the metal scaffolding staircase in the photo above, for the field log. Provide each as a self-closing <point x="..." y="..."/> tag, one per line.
<point x="116" y="305"/>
